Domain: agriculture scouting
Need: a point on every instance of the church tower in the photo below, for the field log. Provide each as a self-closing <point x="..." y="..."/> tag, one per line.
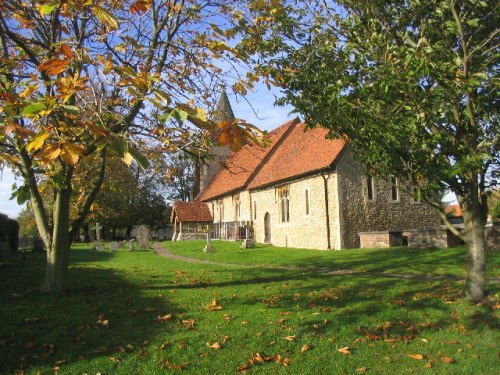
<point x="206" y="169"/>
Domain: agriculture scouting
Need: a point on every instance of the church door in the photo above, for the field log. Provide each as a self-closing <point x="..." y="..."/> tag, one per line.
<point x="267" y="228"/>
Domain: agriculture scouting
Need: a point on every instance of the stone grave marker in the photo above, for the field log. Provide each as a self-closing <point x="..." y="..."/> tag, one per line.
<point x="143" y="235"/>
<point x="113" y="246"/>
<point x="131" y="245"/>
<point x="208" y="247"/>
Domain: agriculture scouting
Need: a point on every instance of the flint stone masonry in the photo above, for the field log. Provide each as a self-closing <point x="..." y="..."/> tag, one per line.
<point x="190" y="236"/>
<point x="431" y="238"/>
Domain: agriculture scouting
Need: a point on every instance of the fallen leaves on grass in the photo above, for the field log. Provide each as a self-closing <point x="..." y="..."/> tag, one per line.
<point x="258" y="358"/>
<point x="289" y="338"/>
<point x="213" y="306"/>
<point x="103" y="321"/>
<point x="361" y="370"/>
<point x="446" y="359"/>
<point x="345" y="350"/>
<point x="189" y="323"/>
<point x="306" y="348"/>
<point x="164" y="345"/>
<point x="215" y="345"/>
<point x="164" y="318"/>
<point x="149" y="309"/>
<point x="167" y="364"/>
<point x="419" y="357"/>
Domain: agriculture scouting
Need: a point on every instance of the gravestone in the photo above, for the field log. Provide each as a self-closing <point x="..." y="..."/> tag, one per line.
<point x="208" y="247"/>
<point x="98" y="232"/>
<point x="142" y="236"/>
<point x="113" y="246"/>
<point x="131" y="245"/>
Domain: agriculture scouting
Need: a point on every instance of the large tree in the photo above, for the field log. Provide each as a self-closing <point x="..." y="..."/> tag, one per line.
<point x="80" y="79"/>
<point x="412" y="84"/>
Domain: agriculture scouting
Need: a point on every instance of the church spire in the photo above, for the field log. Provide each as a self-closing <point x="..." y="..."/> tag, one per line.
<point x="223" y="110"/>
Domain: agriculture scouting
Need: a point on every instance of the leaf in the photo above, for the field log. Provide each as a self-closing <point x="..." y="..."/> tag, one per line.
<point x="164" y="345"/>
<point x="289" y="338"/>
<point x="446" y="359"/>
<point x="213" y="306"/>
<point x="215" y="345"/>
<point x="33" y="109"/>
<point x="138" y="157"/>
<point x="361" y="370"/>
<point x="149" y="309"/>
<point x="164" y="318"/>
<point x="37" y="142"/>
<point x="69" y="156"/>
<point x="54" y="67"/>
<point x="106" y="17"/>
<point x="419" y="357"/>
<point x="71" y="109"/>
<point x="140" y="6"/>
<point x="345" y="350"/>
<point x="102" y="321"/>
<point x="50" y="153"/>
<point x="306" y="348"/>
<point x="46" y="9"/>
<point x="127" y="158"/>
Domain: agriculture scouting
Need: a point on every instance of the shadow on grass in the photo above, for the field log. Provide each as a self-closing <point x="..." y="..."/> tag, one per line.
<point x="103" y="316"/>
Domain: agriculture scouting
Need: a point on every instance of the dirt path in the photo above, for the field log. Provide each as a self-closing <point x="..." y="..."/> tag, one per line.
<point x="162" y="251"/>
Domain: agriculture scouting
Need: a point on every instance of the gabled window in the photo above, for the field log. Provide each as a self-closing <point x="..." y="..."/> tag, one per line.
<point x="370" y="188"/>
<point x="307" y="202"/>
<point x="394" y="189"/>
<point x="284" y="208"/>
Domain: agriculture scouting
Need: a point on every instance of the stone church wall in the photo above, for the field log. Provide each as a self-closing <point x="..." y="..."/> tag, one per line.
<point x="382" y="214"/>
<point x="303" y="230"/>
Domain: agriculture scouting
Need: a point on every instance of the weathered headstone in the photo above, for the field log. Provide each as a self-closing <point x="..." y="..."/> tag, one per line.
<point x="131" y="245"/>
<point x="98" y="232"/>
<point x="142" y="236"/>
<point x="208" y="247"/>
<point x="98" y="246"/>
<point x="113" y="246"/>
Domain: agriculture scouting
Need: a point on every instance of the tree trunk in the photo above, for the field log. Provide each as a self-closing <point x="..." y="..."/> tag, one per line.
<point x="474" y="214"/>
<point x="58" y="253"/>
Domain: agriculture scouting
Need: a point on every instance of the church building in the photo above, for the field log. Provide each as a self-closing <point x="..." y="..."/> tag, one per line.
<point x="306" y="191"/>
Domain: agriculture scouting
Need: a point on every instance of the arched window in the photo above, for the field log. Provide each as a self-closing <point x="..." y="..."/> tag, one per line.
<point x="284" y="196"/>
<point x="370" y="188"/>
<point x="394" y="189"/>
<point x="255" y="210"/>
<point x="307" y="202"/>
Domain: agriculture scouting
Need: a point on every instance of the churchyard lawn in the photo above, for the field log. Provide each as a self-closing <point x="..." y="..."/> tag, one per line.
<point x="139" y="313"/>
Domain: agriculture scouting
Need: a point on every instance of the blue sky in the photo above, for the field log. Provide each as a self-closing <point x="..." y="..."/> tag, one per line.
<point x="268" y="117"/>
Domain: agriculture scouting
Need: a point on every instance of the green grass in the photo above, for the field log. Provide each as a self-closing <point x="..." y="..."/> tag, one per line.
<point x="393" y="260"/>
<point x="381" y="320"/>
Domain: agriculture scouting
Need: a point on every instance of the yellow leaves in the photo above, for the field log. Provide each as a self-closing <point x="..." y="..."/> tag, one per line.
<point x="102" y="321"/>
<point x="258" y="358"/>
<point x="189" y="323"/>
<point x="213" y="306"/>
<point x="345" y="350"/>
<point x="106" y="17"/>
<point x="164" y="318"/>
<point x="215" y="345"/>
<point x="50" y="153"/>
<point x="418" y="357"/>
<point x="167" y="364"/>
<point x="306" y="348"/>
<point x="289" y="338"/>
<point x="29" y="90"/>
<point x="37" y="141"/>
<point x="446" y="359"/>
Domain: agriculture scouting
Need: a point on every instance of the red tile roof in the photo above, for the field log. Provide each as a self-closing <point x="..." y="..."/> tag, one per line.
<point x="241" y="166"/>
<point x="304" y="151"/>
<point x="191" y="211"/>
<point x="294" y="152"/>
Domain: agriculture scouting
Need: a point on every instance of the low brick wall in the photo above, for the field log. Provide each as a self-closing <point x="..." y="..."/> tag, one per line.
<point x="380" y="239"/>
